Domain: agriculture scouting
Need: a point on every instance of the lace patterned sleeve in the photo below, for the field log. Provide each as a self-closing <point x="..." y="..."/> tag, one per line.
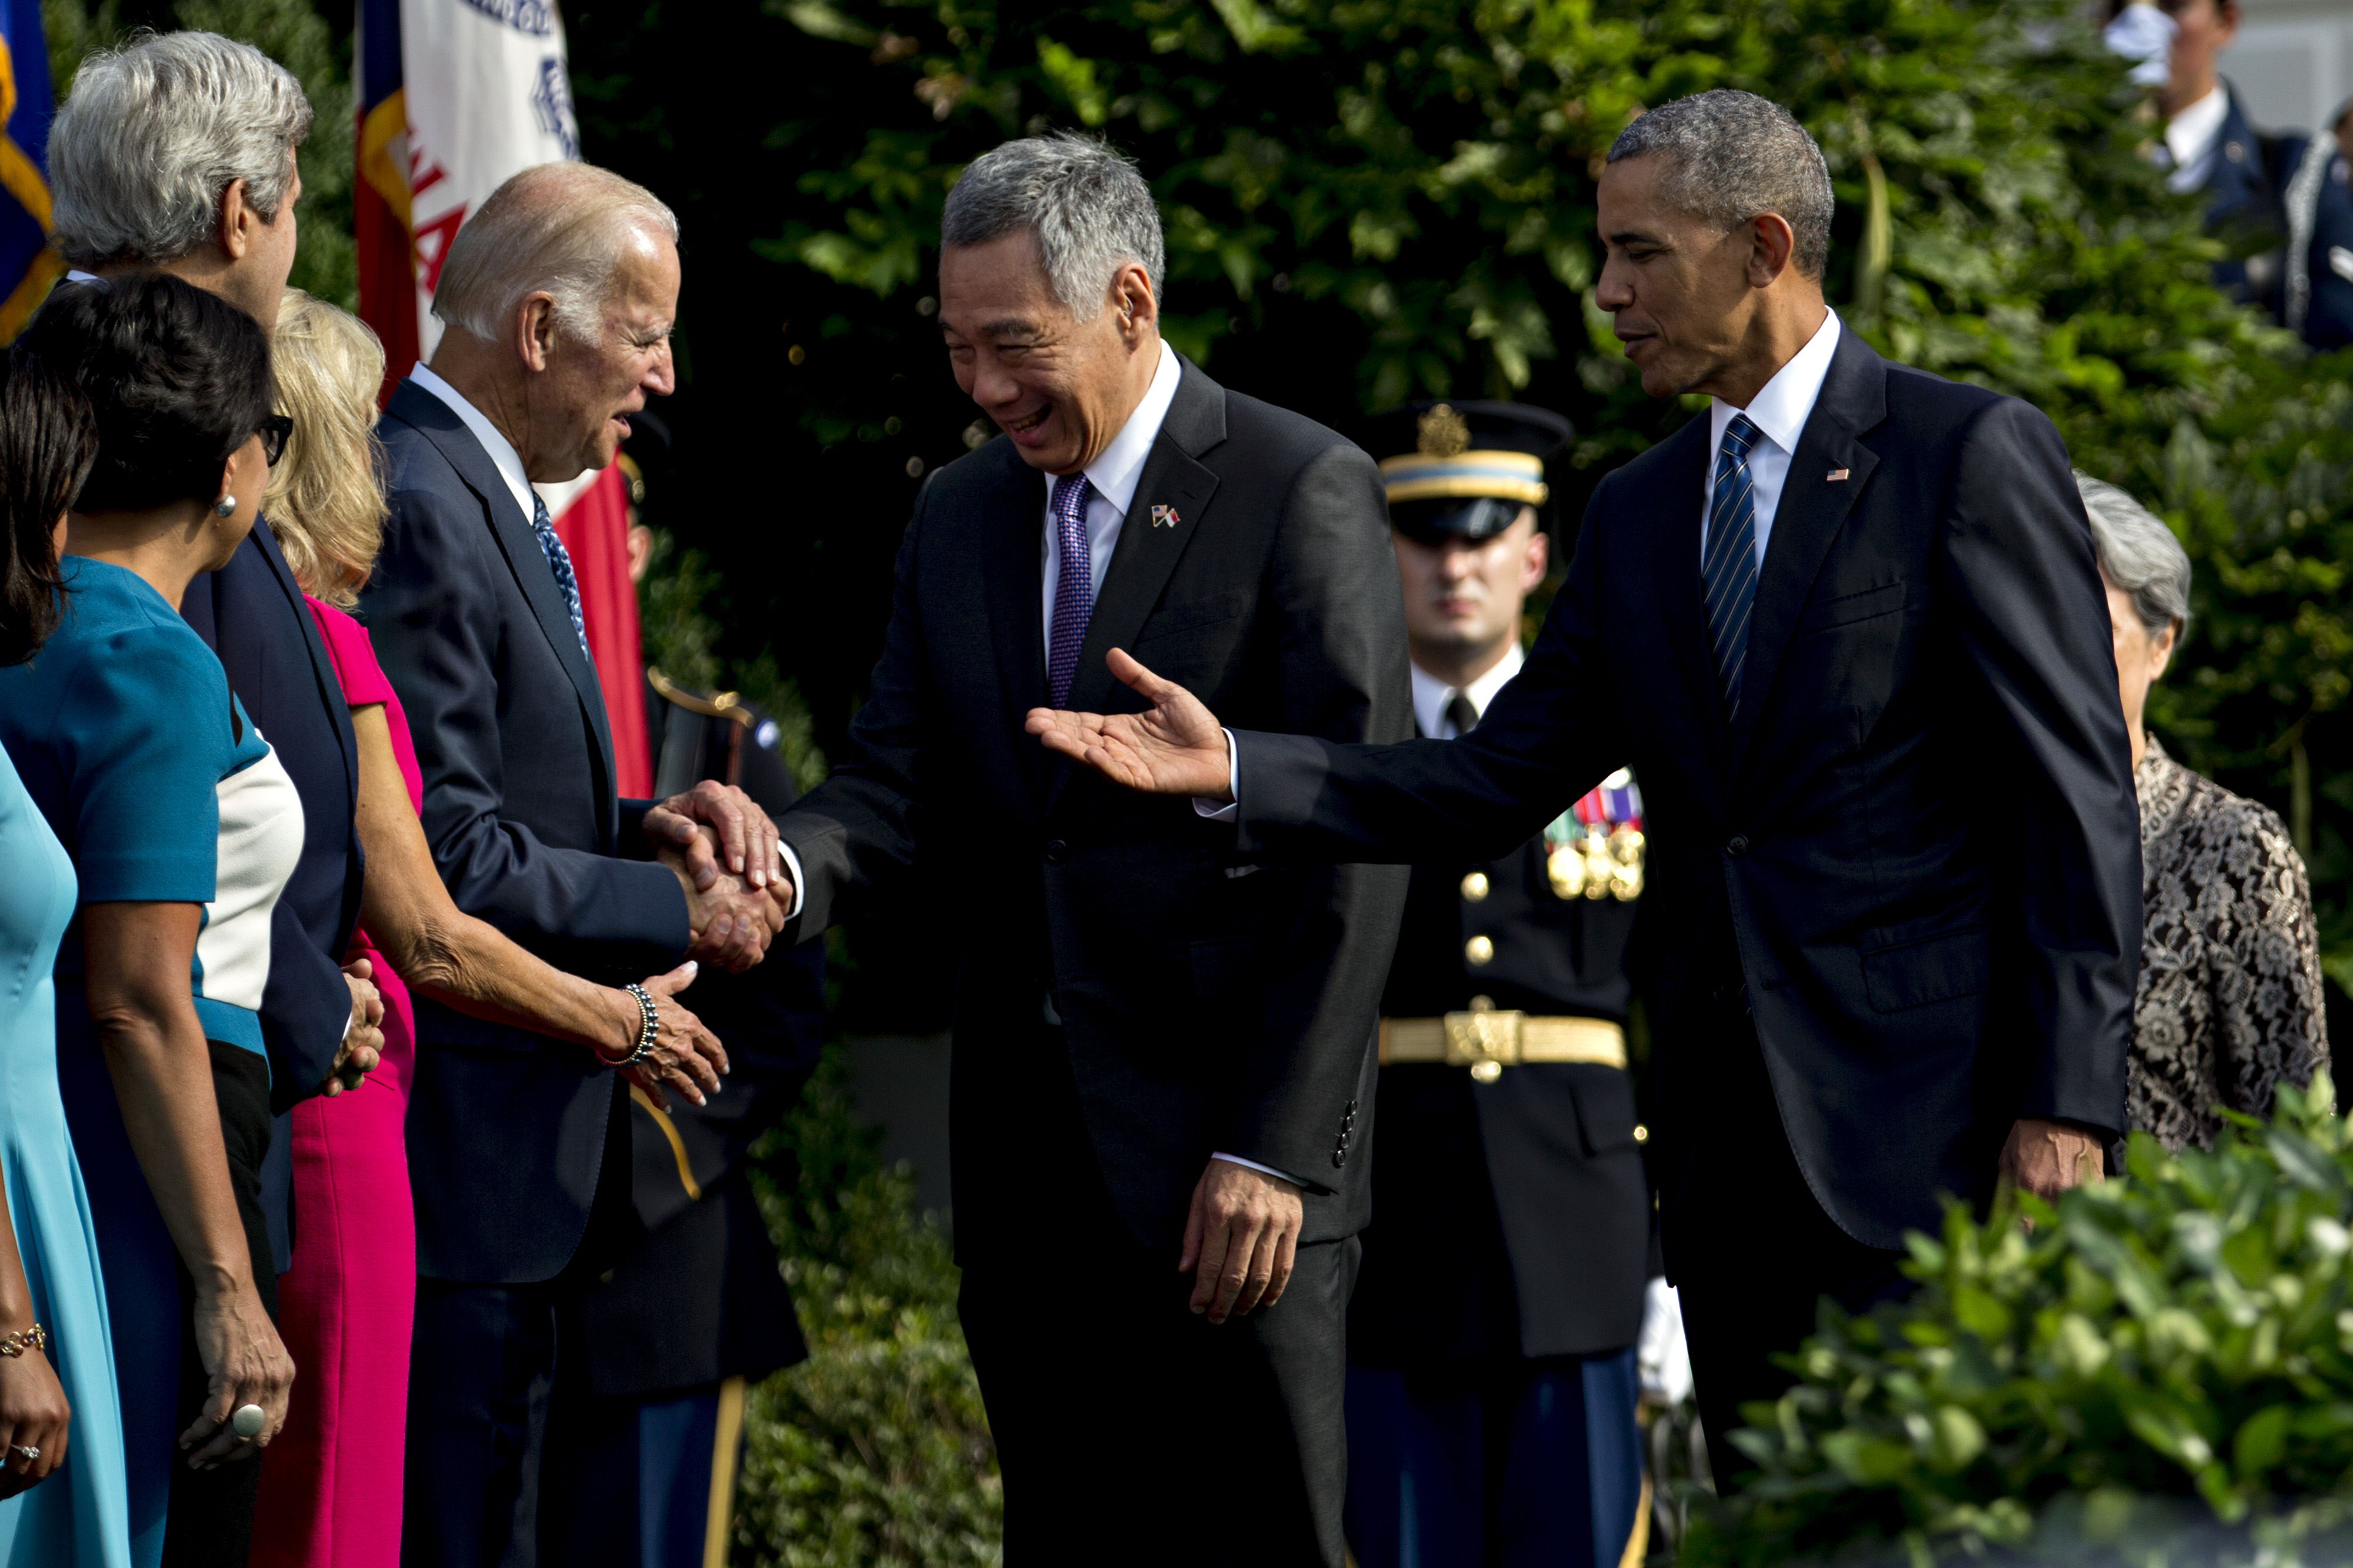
<point x="2268" y="1008"/>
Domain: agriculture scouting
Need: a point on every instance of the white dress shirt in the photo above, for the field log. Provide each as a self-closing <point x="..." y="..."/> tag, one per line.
<point x="1779" y="411"/>
<point x="500" y="450"/>
<point x="2192" y="137"/>
<point x="1431" y="695"/>
<point x="1113" y="476"/>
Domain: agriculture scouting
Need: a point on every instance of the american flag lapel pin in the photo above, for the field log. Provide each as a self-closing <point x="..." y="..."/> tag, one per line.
<point x="1837" y="476"/>
<point x="1164" y="517"/>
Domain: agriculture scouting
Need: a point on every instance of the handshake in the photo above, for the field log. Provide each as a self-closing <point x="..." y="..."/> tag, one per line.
<point x="725" y="851"/>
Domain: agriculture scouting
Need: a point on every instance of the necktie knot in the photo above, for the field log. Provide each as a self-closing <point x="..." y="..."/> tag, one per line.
<point x="1460" y="713"/>
<point x="1739" y="436"/>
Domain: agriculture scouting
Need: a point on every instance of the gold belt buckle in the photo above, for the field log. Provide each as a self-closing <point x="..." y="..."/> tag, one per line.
<point x="1487" y="1042"/>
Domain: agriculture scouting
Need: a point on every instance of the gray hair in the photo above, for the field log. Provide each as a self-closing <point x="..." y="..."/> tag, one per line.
<point x="2140" y="554"/>
<point x="1091" y="212"/>
<point x="154" y="132"/>
<point x="562" y="229"/>
<point x="1732" y="155"/>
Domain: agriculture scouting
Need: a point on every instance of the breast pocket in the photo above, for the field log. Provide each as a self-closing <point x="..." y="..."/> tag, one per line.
<point x="1193" y="618"/>
<point x="1848" y="609"/>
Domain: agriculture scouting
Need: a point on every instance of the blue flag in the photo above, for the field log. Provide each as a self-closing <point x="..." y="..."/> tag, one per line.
<point x="28" y="264"/>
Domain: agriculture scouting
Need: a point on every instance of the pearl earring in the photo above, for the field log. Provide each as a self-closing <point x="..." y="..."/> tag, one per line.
<point x="224" y="506"/>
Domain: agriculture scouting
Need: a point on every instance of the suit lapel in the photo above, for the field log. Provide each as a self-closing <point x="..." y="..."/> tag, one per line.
<point x="1151" y="541"/>
<point x="1674" y="557"/>
<point x="525" y="561"/>
<point x="1812" y="509"/>
<point x="331" y="693"/>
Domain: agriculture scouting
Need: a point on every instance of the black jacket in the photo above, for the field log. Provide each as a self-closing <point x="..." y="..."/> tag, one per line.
<point x="1532" y="1187"/>
<point x="1211" y="1005"/>
<point x="696" y="1296"/>
<point x="250" y="612"/>
<point x="506" y="1129"/>
<point x="1915" y="855"/>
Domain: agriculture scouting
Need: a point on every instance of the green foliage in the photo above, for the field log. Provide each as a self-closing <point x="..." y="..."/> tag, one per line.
<point x="292" y="33"/>
<point x="876" y="1450"/>
<point x="2185" y="1333"/>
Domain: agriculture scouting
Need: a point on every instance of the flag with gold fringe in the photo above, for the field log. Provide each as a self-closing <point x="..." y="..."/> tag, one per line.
<point x="28" y="265"/>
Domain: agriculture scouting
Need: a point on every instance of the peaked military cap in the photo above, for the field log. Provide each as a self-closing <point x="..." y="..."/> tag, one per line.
<point x="1463" y="470"/>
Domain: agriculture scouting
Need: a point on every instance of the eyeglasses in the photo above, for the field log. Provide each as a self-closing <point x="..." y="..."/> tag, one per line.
<point x="273" y="432"/>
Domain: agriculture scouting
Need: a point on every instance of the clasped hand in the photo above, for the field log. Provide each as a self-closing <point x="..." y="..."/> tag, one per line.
<point x="363" y="1045"/>
<point x="723" y="848"/>
<point x="1176" y="747"/>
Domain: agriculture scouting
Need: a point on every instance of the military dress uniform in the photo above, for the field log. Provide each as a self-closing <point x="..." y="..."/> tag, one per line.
<point x="1491" y="1384"/>
<point x="696" y="1310"/>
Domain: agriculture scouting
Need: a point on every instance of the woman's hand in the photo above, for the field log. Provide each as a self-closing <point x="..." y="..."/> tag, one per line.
<point x="33" y="1415"/>
<point x="686" y="1057"/>
<point x="245" y="1363"/>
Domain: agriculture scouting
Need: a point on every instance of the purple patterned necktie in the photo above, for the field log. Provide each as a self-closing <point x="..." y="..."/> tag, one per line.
<point x="1074" y="585"/>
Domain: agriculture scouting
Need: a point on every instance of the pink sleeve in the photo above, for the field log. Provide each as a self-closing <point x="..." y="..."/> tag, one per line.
<point x="364" y="684"/>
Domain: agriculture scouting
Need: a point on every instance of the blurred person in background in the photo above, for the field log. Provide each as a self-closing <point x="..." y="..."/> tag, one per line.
<point x="183" y="827"/>
<point x="1491" y="1407"/>
<point x="332" y="1485"/>
<point x="57" y="1363"/>
<point x="2278" y="200"/>
<point x="2230" y="1004"/>
<point x="558" y="298"/>
<point x="176" y="154"/>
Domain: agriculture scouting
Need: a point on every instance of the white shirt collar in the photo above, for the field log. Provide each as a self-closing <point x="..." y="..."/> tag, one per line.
<point x="1431" y="695"/>
<point x="2192" y="132"/>
<point x="501" y="452"/>
<point x="1780" y="408"/>
<point x="1115" y="474"/>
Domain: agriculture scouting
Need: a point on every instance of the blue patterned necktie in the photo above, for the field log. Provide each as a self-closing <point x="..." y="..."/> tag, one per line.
<point x="1074" y="585"/>
<point x="1728" y="574"/>
<point x="559" y="561"/>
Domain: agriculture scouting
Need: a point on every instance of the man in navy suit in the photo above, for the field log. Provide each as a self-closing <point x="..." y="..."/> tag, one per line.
<point x="129" y="156"/>
<point x="1847" y="630"/>
<point x="558" y="298"/>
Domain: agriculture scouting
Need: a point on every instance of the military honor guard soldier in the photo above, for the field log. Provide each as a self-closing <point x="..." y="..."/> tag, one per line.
<point x="1491" y="1404"/>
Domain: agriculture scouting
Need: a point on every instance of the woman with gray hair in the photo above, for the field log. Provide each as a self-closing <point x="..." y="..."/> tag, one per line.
<point x="2230" y="1000"/>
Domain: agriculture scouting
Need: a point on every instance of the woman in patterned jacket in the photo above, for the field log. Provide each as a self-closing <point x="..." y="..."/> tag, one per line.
<point x="2229" y="998"/>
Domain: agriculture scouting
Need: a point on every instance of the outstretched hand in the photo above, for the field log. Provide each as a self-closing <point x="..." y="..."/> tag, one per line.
<point x="1174" y="748"/>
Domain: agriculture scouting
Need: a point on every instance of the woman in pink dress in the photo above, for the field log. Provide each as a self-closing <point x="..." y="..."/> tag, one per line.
<point x="331" y="1485"/>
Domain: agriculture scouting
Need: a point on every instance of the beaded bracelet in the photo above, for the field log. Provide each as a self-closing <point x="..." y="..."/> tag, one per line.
<point x="16" y="1344"/>
<point x="648" y="1025"/>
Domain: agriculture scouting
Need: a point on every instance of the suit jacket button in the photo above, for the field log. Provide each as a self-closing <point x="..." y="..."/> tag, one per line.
<point x="1736" y="846"/>
<point x="1055" y="851"/>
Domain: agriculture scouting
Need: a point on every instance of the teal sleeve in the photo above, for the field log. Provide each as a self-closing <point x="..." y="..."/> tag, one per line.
<point x="145" y="739"/>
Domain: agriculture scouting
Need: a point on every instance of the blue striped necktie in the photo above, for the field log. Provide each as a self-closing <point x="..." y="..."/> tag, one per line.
<point x="1728" y="574"/>
<point x="559" y="561"/>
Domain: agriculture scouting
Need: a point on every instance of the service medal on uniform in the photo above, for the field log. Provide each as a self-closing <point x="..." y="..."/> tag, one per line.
<point x="1491" y="1384"/>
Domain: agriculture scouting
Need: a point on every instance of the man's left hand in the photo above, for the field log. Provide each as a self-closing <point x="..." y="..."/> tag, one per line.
<point x="2046" y="1158"/>
<point x="1240" y="1239"/>
<point x="747" y="839"/>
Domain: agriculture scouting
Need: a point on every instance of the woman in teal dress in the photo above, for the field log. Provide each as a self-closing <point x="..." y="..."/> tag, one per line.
<point x="183" y="828"/>
<point x="62" y="1495"/>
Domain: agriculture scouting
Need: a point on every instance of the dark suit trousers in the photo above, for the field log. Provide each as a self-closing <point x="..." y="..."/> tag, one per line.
<point x="484" y="1368"/>
<point x="1125" y="1426"/>
<point x="1748" y="1247"/>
